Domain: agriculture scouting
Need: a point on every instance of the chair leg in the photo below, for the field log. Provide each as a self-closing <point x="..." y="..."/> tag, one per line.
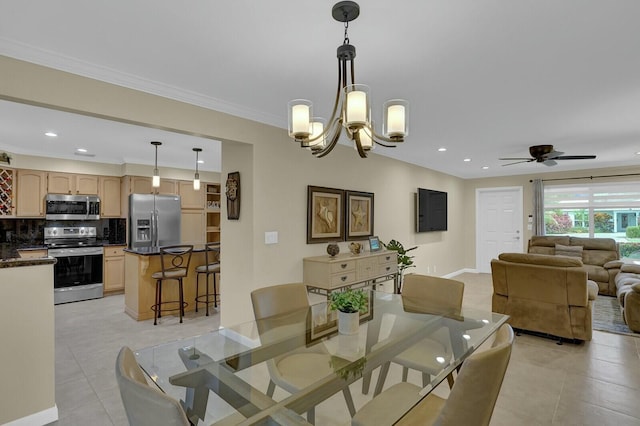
<point x="157" y="306"/>
<point x="349" y="400"/>
<point x="425" y="379"/>
<point x="181" y="299"/>
<point x="311" y="415"/>
<point x="271" y="388"/>
<point x="207" y="296"/>
<point x="384" y="369"/>
<point x="160" y="299"/>
<point x="197" y="289"/>
<point x="405" y="373"/>
<point x="449" y="380"/>
<point x="215" y="291"/>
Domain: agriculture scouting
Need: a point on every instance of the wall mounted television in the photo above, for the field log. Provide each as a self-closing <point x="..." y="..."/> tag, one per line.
<point x="431" y="210"/>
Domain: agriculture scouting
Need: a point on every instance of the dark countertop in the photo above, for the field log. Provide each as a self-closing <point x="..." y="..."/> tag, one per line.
<point x="9" y="251"/>
<point x="155" y="251"/>
<point x="13" y="263"/>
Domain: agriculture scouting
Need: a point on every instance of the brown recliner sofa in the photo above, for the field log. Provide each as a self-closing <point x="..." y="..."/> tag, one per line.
<point x="628" y="293"/>
<point x="543" y="293"/>
<point x="600" y="256"/>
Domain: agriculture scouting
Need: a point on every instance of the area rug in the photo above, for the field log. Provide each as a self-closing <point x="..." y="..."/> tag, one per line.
<point x="607" y="316"/>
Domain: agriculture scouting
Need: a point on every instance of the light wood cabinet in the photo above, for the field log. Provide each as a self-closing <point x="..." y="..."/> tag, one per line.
<point x="192" y="227"/>
<point x="7" y="193"/>
<point x="189" y="197"/>
<point x="69" y="183"/>
<point x="109" y="193"/>
<point x="142" y="185"/>
<point x="114" y="269"/>
<point x="212" y="212"/>
<point x="344" y="270"/>
<point x="31" y="188"/>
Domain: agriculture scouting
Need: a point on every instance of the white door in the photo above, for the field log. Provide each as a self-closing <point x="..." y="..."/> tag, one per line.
<point x="498" y="224"/>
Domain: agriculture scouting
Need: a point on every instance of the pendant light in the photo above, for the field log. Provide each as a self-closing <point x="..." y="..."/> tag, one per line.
<point x="196" y="178"/>
<point x="155" y="182"/>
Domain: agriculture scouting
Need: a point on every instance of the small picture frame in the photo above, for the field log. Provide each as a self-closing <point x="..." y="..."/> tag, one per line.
<point x="374" y="244"/>
<point x="358" y="215"/>
<point x="325" y="214"/>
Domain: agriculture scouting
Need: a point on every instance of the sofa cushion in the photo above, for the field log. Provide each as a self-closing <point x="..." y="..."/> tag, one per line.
<point x="549" y="240"/>
<point x="606" y="244"/>
<point x="630" y="267"/>
<point x="540" y="259"/>
<point x="597" y="273"/>
<point x="598" y="257"/>
<point x="571" y="251"/>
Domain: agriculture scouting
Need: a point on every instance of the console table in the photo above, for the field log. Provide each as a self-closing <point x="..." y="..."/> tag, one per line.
<point x="323" y="274"/>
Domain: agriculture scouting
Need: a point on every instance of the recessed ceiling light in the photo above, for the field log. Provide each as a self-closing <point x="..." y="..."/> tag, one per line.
<point x="638" y="153"/>
<point x="200" y="161"/>
<point x="442" y="149"/>
<point x="81" y="150"/>
<point x="485" y="167"/>
<point x="51" y="134"/>
<point x="466" y="160"/>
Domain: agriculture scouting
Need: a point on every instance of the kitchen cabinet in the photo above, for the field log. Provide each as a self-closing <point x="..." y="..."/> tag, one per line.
<point x="7" y="193"/>
<point x="189" y="197"/>
<point x="212" y="212"/>
<point x="192" y="227"/>
<point x="70" y="183"/>
<point x="142" y="185"/>
<point x="114" y="269"/>
<point x="109" y="193"/>
<point x="31" y="188"/>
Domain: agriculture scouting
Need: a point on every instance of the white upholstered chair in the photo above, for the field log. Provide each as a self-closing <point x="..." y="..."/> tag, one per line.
<point x="470" y="403"/>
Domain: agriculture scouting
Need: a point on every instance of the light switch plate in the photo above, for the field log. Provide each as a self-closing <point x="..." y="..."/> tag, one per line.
<point x="271" y="237"/>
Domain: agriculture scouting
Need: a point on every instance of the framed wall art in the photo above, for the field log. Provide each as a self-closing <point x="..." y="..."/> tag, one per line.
<point x="325" y="214"/>
<point x="359" y="215"/>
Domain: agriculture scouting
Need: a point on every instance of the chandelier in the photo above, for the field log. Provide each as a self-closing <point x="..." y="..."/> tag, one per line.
<point x="351" y="110"/>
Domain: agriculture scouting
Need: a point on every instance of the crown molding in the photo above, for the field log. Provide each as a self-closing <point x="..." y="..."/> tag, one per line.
<point x="47" y="58"/>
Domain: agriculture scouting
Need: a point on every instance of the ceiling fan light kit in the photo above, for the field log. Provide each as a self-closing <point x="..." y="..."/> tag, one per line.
<point x="351" y="110"/>
<point x="547" y="155"/>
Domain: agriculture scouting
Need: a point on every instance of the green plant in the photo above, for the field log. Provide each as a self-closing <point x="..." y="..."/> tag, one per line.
<point x="404" y="261"/>
<point x="349" y="301"/>
<point x="346" y="369"/>
<point x="633" y="231"/>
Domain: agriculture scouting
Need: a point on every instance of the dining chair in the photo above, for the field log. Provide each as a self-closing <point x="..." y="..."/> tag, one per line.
<point x="470" y="403"/>
<point x="211" y="267"/>
<point x="146" y="405"/>
<point x="174" y="261"/>
<point x="282" y="310"/>
<point x="426" y="294"/>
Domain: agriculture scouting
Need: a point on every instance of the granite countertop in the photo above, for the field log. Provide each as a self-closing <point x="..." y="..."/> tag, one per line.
<point x="13" y="263"/>
<point x="9" y="251"/>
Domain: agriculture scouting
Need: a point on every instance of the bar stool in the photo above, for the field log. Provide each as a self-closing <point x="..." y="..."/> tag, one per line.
<point x="210" y="267"/>
<point x="175" y="266"/>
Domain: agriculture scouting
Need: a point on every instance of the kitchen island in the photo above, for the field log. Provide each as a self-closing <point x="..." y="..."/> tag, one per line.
<point x="27" y="351"/>
<point x="140" y="288"/>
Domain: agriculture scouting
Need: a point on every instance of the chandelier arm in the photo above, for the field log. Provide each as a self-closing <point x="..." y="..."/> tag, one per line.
<point x="336" y="126"/>
<point x="384" y="138"/>
<point x="361" y="151"/>
<point x="383" y="144"/>
<point x="333" y="117"/>
<point x="353" y="72"/>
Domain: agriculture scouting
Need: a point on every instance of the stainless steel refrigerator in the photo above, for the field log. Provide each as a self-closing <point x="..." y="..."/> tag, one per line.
<point x="154" y="220"/>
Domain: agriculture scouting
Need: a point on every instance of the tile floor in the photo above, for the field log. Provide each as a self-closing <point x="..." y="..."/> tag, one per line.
<point x="595" y="383"/>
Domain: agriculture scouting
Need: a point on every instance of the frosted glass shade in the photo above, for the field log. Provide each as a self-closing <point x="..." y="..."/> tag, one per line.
<point x="317" y="140"/>
<point x="300" y="111"/>
<point x="396" y="120"/>
<point x="357" y="111"/>
<point x="155" y="181"/>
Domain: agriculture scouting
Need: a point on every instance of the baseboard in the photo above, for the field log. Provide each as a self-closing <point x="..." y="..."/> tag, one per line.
<point x="40" y="418"/>
<point x="461" y="271"/>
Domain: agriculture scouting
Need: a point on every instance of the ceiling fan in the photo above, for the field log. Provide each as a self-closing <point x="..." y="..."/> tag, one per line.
<point x="547" y="155"/>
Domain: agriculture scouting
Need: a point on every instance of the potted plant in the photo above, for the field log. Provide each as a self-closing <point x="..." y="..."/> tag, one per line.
<point x="349" y="304"/>
<point x="404" y="261"/>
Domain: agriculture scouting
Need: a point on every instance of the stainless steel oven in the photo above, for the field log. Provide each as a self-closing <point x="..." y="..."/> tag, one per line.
<point x="77" y="274"/>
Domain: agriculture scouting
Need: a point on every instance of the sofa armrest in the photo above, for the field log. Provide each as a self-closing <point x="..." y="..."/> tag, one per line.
<point x="592" y="289"/>
<point x="636" y="287"/>
<point x="613" y="264"/>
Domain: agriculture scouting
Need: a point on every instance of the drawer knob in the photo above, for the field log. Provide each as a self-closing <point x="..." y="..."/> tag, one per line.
<point x="343" y="278"/>
<point x="388" y="257"/>
<point x="388" y="268"/>
<point x="343" y="265"/>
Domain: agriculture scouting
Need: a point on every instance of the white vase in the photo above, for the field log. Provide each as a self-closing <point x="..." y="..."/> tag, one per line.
<point x="348" y="322"/>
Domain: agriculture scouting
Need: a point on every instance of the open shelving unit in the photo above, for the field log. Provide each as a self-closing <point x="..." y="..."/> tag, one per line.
<point x="212" y="210"/>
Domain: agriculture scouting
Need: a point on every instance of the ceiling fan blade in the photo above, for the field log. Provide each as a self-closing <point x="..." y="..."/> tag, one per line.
<point x="517" y="162"/>
<point x="549" y="162"/>
<point x="575" y="157"/>
<point x="516" y="159"/>
<point x="553" y="155"/>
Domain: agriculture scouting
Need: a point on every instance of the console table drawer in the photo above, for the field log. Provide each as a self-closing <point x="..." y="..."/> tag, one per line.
<point x="391" y="258"/>
<point x="340" y="280"/>
<point x="347" y="265"/>
<point x="386" y="269"/>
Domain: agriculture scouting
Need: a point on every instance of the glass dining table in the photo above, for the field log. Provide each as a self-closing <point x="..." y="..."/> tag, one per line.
<point x="225" y="374"/>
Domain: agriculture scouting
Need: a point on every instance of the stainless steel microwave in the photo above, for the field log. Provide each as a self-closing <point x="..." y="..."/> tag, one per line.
<point x="72" y="207"/>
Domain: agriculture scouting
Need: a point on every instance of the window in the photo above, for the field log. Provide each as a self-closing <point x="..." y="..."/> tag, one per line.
<point x="608" y="210"/>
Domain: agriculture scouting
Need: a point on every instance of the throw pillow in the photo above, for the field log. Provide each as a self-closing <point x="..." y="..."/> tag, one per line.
<point x="572" y="251"/>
